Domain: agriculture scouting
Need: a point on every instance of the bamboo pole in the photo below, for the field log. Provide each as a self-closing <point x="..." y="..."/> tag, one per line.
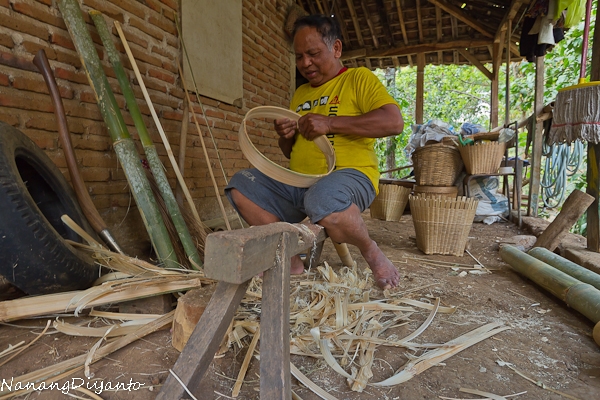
<point x="568" y="267"/>
<point x="581" y="296"/>
<point x="122" y="142"/>
<point x="151" y="154"/>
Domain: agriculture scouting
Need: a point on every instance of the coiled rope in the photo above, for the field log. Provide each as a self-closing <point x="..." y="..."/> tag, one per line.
<point x="562" y="161"/>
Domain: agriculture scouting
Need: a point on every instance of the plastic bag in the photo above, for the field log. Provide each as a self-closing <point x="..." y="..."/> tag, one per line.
<point x="491" y="202"/>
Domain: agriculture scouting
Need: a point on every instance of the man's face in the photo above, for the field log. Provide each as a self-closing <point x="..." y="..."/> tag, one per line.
<point x="315" y="61"/>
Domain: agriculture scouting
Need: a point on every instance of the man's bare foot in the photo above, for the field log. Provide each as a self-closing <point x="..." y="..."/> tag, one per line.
<point x="384" y="272"/>
<point x="297" y="267"/>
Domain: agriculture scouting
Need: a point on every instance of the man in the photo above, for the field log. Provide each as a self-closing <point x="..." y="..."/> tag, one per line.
<point x="352" y="108"/>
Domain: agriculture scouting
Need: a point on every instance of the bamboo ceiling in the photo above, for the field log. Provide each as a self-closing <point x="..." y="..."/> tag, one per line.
<point x="390" y="33"/>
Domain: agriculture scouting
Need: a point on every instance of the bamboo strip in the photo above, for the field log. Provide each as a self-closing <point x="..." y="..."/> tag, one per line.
<point x="310" y="384"/>
<point x="240" y="378"/>
<point x="122" y="316"/>
<point x="27" y="307"/>
<point x="105" y="331"/>
<point x="482" y="394"/>
<point x="70" y="366"/>
<point x="210" y="171"/>
<point x="28" y="345"/>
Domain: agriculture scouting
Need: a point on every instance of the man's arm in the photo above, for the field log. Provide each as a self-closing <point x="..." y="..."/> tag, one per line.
<point x="286" y="129"/>
<point x="381" y="122"/>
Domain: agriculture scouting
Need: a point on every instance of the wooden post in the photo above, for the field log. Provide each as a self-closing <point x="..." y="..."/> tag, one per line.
<point x="275" y="381"/>
<point x="572" y="209"/>
<point x="420" y="88"/>
<point x="593" y="159"/>
<point x="536" y="156"/>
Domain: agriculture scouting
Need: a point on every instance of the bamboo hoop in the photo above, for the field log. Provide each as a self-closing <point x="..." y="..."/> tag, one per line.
<point x="268" y="167"/>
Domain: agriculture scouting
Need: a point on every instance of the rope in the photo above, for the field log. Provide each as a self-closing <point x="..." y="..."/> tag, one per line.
<point x="562" y="161"/>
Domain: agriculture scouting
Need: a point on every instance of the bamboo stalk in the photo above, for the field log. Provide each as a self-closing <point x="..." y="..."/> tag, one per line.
<point x="161" y="131"/>
<point x="568" y="267"/>
<point x="185" y="120"/>
<point x="151" y="154"/>
<point x="122" y="143"/>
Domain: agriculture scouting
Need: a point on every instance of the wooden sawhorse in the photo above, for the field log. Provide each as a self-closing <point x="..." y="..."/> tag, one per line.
<point x="233" y="258"/>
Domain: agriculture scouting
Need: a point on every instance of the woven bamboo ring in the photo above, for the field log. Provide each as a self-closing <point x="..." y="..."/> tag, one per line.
<point x="268" y="167"/>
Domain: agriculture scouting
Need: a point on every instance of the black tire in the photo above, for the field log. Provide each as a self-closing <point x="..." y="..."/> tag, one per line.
<point x="34" y="255"/>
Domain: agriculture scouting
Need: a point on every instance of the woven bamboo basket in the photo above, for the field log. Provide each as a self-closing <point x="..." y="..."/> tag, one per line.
<point x="442" y="225"/>
<point x="436" y="165"/>
<point x="390" y="203"/>
<point x="429" y="191"/>
<point x="482" y="158"/>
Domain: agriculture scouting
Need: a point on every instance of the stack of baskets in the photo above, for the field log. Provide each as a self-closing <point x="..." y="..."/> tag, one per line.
<point x="442" y="224"/>
<point x="436" y="167"/>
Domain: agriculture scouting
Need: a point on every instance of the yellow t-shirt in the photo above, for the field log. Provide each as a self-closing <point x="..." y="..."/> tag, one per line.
<point x="355" y="91"/>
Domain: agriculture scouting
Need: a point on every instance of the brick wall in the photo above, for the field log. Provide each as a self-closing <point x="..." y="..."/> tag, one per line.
<point x="29" y="25"/>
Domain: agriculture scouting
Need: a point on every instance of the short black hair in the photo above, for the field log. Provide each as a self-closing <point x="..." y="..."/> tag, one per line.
<point x="328" y="27"/>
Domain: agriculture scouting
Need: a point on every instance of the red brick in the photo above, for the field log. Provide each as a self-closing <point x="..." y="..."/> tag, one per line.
<point x="4" y="80"/>
<point x="106" y="8"/>
<point x="10" y="118"/>
<point x="5" y="3"/>
<point x="45" y="122"/>
<point x="132" y="7"/>
<point x="161" y="50"/>
<point x="89" y="142"/>
<point x="87" y="97"/>
<point x="91" y="174"/>
<point x="44" y="140"/>
<point x="163" y="23"/>
<point x="18" y="23"/>
<point x="67" y="57"/>
<point x="142" y="55"/>
<point x="172" y="115"/>
<point x="132" y="37"/>
<point x="173" y="4"/>
<point x="72" y="76"/>
<point x="46" y="2"/>
<point x="156" y="85"/>
<point x="170" y="14"/>
<point x="154" y="73"/>
<point x="62" y="40"/>
<point x="26" y="101"/>
<point x="145" y="27"/>
<point x="90" y="158"/>
<point x="170" y="66"/>
<point x="39" y="13"/>
<point x="34" y="47"/>
<point x="6" y="41"/>
<point x="154" y="5"/>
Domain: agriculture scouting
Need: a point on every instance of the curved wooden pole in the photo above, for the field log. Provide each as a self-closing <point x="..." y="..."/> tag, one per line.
<point x="83" y="197"/>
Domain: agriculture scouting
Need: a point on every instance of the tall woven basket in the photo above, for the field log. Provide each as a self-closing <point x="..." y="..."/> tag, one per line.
<point x="436" y="165"/>
<point x="482" y="158"/>
<point x="390" y="203"/>
<point x="442" y="224"/>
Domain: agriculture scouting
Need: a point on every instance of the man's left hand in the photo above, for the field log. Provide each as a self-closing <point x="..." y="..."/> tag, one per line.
<point x="312" y="125"/>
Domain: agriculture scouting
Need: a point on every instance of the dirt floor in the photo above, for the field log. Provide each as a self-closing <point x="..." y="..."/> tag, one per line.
<point x="548" y="346"/>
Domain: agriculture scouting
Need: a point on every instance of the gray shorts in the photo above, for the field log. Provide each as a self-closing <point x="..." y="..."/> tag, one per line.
<point x="334" y="193"/>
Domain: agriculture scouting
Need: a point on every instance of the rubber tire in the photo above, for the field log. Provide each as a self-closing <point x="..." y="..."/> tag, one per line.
<point x="34" y="194"/>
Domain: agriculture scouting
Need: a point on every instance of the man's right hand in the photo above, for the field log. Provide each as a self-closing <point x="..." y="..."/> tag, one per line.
<point x="286" y="128"/>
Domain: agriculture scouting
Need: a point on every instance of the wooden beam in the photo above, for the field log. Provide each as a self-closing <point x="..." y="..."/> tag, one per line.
<point x="452" y="10"/>
<point x="438" y="26"/>
<point x="340" y="17"/>
<point x="204" y="342"/>
<point x="593" y="157"/>
<point x="416" y="48"/>
<point x="473" y="60"/>
<point x="508" y="16"/>
<point x="420" y="87"/>
<point x="536" y="157"/>
<point x="385" y="22"/>
<point x="237" y="256"/>
<point x="369" y="24"/>
<point x="359" y="36"/>
<point x="419" y="23"/>
<point x="454" y="24"/>
<point x="403" y="29"/>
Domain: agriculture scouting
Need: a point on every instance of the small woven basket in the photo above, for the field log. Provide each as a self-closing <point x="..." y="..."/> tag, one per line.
<point x="482" y="158"/>
<point x="429" y="191"/>
<point x="436" y="165"/>
<point x="442" y="225"/>
<point x="390" y="203"/>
